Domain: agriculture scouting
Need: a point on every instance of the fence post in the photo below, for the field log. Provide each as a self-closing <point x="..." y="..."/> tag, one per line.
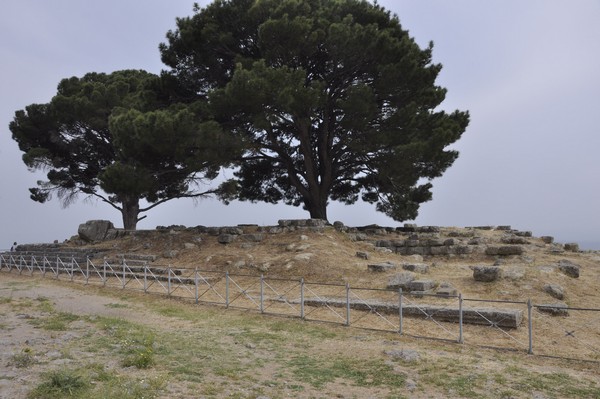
<point x="460" y="319"/>
<point x="262" y="284"/>
<point x="145" y="278"/>
<point x="72" y="267"/>
<point x="43" y="267"/>
<point x="169" y="280"/>
<point x="400" y="310"/>
<point x="530" y="325"/>
<point x="123" y="282"/>
<point x="104" y="271"/>
<point x="302" y="298"/>
<point x="347" y="304"/>
<point x="87" y="270"/>
<point x="226" y="289"/>
<point x="196" y="284"/>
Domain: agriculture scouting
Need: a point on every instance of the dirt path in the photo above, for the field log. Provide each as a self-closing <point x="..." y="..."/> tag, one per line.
<point x="20" y="300"/>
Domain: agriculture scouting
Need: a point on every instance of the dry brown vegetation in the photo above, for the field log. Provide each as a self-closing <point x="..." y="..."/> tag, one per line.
<point x="207" y="351"/>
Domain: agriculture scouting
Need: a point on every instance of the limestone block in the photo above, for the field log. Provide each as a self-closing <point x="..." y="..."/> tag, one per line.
<point x="416" y="267"/>
<point x="450" y="241"/>
<point x="446" y="291"/>
<point x="555" y="291"/>
<point x="94" y="230"/>
<point x="547" y="239"/>
<point x="440" y="250"/>
<point x="514" y="240"/>
<point x="381" y="267"/>
<point x="421" y="285"/>
<point x="400" y="280"/>
<point x="486" y="273"/>
<point x="555" y="309"/>
<point x="362" y="255"/>
<point x="523" y="233"/>
<point x="434" y="242"/>
<point x="226" y="238"/>
<point x="257" y="237"/>
<point x="463" y="250"/>
<point x="572" y="247"/>
<point x="569" y="268"/>
<point x="231" y="230"/>
<point x="510" y="250"/>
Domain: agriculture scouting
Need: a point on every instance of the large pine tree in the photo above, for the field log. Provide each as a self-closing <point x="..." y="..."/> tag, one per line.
<point x="334" y="99"/>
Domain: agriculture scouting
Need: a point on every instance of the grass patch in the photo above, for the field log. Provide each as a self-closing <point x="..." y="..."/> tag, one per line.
<point x="56" y="322"/>
<point x="135" y="342"/>
<point x="44" y="304"/>
<point x="370" y="373"/>
<point x="5" y="300"/>
<point x="61" y="384"/>
<point x="23" y="359"/>
<point x="116" y="305"/>
<point x="94" y="381"/>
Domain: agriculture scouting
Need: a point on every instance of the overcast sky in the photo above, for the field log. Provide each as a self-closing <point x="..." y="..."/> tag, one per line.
<point x="527" y="71"/>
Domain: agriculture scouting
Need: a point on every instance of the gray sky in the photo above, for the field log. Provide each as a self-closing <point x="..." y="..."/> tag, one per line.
<point x="527" y="71"/>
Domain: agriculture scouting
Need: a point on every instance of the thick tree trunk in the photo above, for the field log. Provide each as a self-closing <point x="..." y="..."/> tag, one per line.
<point x="317" y="208"/>
<point x="130" y="212"/>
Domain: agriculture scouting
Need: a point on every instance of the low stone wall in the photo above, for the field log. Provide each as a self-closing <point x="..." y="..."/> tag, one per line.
<point x="505" y="318"/>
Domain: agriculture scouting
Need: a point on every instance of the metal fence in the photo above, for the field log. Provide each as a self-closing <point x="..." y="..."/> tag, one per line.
<point x="510" y="325"/>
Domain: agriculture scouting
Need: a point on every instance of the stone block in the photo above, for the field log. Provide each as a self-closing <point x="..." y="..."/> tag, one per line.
<point x="400" y="280"/>
<point x="416" y="267"/>
<point x="510" y="250"/>
<point x="383" y="243"/>
<point x="226" y="238"/>
<point x="503" y="228"/>
<point x="569" y="268"/>
<point x="463" y="249"/>
<point x="256" y="237"/>
<point x="434" y="242"/>
<point x="523" y="233"/>
<point x="486" y="273"/>
<point x="362" y="255"/>
<point x="440" y="250"/>
<point x="381" y="267"/>
<point x="94" y="230"/>
<point x="493" y="251"/>
<point x="554" y="309"/>
<point x="555" y="291"/>
<point x="231" y="230"/>
<point x="428" y="229"/>
<point x="514" y="240"/>
<point x="572" y="247"/>
<point x="547" y="239"/>
<point x="446" y="291"/>
<point x="421" y="285"/>
<point x="450" y="241"/>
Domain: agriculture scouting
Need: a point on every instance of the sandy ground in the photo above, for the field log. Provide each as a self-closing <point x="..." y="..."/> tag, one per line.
<point x="18" y="333"/>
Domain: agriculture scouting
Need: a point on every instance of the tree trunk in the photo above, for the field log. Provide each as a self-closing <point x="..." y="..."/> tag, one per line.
<point x="130" y="212"/>
<point x="317" y="208"/>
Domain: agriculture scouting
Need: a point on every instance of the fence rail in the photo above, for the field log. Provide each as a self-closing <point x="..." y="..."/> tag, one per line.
<point x="500" y="324"/>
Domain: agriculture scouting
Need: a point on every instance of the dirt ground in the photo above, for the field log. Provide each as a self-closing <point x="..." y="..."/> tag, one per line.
<point x="18" y="332"/>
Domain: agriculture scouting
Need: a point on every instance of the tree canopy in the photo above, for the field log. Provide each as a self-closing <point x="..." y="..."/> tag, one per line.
<point x="122" y="138"/>
<point x="333" y="98"/>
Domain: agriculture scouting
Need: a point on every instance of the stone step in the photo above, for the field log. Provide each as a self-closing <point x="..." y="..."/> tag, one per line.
<point x="505" y="318"/>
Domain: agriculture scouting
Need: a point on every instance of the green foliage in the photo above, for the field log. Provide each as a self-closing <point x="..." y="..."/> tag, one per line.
<point x="56" y="321"/>
<point x="333" y="99"/>
<point x="124" y="134"/>
<point x="61" y="384"/>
